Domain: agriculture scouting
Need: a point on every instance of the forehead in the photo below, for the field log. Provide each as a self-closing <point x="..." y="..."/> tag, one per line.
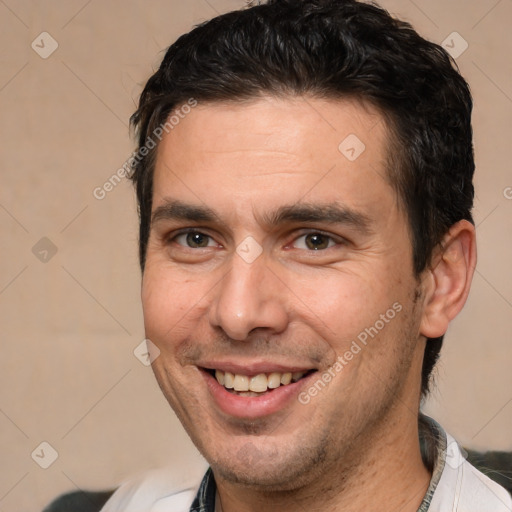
<point x="270" y="150"/>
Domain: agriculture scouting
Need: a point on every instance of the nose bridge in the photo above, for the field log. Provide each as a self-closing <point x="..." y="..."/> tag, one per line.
<point x="248" y="298"/>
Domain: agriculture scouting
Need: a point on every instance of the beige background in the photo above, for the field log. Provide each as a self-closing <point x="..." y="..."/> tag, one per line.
<point x="69" y="325"/>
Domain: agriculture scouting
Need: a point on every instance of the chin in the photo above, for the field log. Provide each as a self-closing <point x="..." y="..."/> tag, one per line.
<point x="268" y="469"/>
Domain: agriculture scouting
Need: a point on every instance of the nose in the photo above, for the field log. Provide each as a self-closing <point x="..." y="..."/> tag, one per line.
<point x="250" y="296"/>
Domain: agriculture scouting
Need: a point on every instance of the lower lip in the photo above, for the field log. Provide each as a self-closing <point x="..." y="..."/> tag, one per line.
<point x="251" y="407"/>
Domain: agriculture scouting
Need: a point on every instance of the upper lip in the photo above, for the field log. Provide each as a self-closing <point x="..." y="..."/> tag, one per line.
<point x="254" y="367"/>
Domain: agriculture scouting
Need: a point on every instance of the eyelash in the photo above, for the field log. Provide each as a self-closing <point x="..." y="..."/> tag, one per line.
<point x="336" y="240"/>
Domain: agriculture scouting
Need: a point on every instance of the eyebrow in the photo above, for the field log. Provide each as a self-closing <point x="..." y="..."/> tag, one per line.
<point x="178" y="210"/>
<point x="330" y="213"/>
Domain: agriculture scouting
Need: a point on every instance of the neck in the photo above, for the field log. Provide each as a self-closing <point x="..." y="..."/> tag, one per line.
<point x="388" y="470"/>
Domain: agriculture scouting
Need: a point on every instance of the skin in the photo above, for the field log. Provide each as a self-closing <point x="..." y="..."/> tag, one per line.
<point x="354" y="446"/>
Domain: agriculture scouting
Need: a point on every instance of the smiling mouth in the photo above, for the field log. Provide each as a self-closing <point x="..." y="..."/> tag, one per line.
<point x="257" y="385"/>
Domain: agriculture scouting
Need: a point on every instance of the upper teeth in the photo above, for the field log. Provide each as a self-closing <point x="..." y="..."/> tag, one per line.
<point x="259" y="383"/>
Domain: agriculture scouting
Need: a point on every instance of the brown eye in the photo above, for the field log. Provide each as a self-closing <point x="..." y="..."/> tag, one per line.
<point x="197" y="240"/>
<point x="314" y="242"/>
<point x="317" y="241"/>
<point x="194" y="240"/>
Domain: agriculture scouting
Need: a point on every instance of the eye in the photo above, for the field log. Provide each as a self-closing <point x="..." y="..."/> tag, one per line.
<point x="314" y="242"/>
<point x="194" y="240"/>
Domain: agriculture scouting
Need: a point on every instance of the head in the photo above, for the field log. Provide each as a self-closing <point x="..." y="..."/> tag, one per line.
<point x="316" y="72"/>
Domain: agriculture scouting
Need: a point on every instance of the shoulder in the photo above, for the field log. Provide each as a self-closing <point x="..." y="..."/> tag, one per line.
<point x="463" y="488"/>
<point x="168" y="488"/>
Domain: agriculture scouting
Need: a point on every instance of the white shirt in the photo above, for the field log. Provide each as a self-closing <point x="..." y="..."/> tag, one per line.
<point x="456" y="486"/>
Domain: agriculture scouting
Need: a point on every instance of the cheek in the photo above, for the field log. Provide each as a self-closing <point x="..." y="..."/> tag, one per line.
<point x="167" y="303"/>
<point x="343" y="303"/>
<point x="360" y="317"/>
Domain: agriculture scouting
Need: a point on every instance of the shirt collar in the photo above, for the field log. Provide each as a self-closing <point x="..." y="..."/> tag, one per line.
<point x="433" y="450"/>
<point x="205" y="497"/>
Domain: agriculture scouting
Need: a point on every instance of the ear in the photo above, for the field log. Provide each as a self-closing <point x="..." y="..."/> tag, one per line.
<point x="448" y="280"/>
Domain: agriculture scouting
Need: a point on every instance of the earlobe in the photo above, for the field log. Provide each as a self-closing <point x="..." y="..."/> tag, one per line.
<point x="447" y="282"/>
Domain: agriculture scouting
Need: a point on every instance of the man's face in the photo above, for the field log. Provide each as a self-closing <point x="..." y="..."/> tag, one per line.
<point x="277" y="246"/>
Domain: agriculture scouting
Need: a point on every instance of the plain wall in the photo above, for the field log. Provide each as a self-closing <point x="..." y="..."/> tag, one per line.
<point x="70" y="324"/>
